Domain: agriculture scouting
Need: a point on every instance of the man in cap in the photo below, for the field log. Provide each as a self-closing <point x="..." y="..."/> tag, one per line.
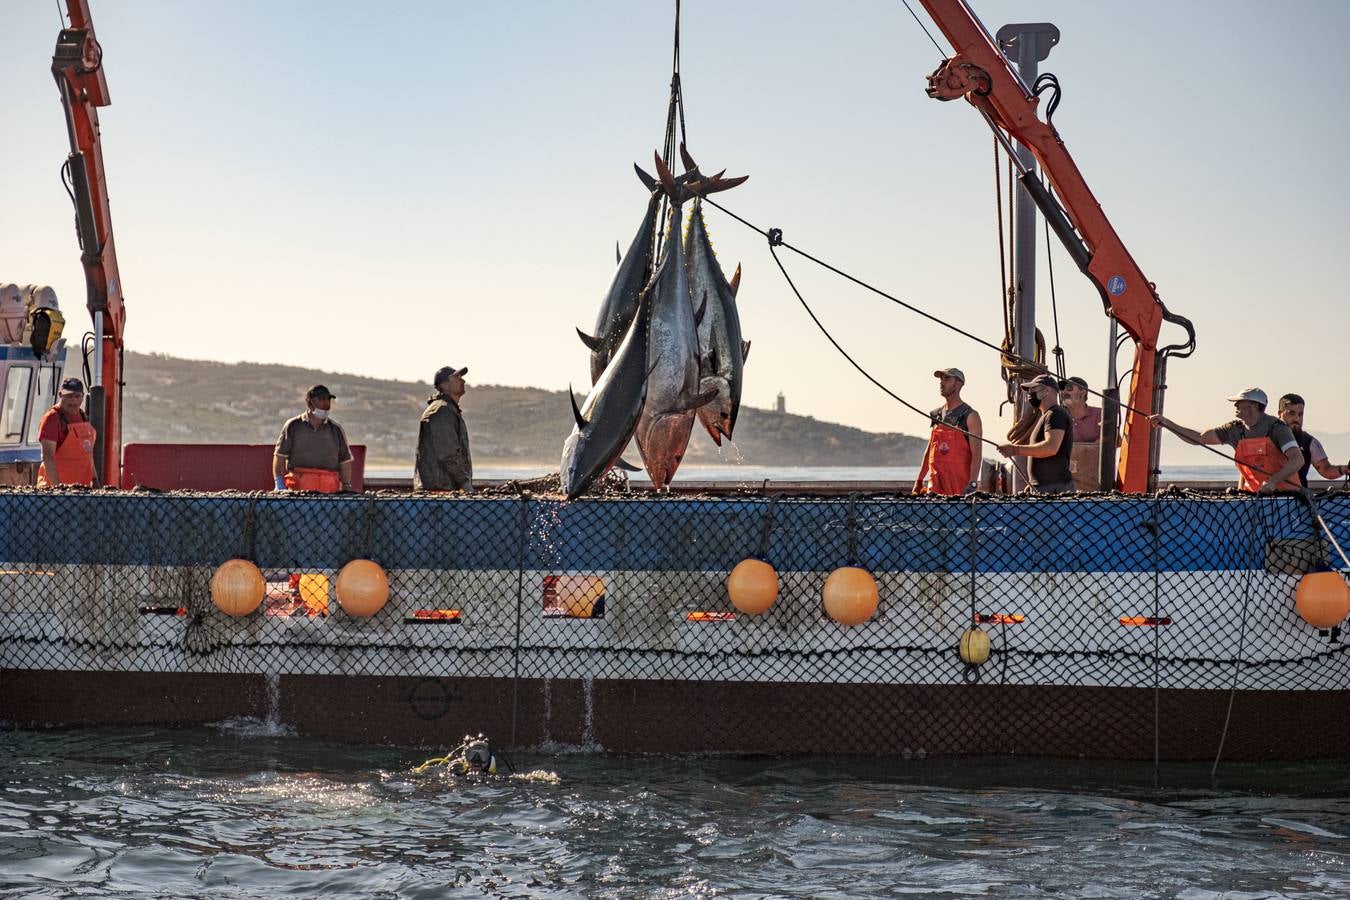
<point x="67" y="439"/>
<point x="951" y="464"/>
<point x="443" y="461"/>
<point x="312" y="453"/>
<point x="1267" y="454"/>
<point x="1087" y="433"/>
<point x="1314" y="454"/>
<point x="1050" y="445"/>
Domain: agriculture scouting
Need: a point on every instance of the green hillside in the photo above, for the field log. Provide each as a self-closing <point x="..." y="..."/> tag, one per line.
<point x="190" y="401"/>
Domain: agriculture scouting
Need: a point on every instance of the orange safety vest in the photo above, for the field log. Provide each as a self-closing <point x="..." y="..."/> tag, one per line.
<point x="1258" y="459"/>
<point x="946" y="463"/>
<point x="325" y="481"/>
<point x="74" y="457"/>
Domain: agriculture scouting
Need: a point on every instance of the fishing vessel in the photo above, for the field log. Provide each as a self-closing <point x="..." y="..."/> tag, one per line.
<point x="1128" y="623"/>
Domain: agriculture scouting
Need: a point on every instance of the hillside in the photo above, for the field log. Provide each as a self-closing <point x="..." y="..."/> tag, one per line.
<point x="191" y="401"/>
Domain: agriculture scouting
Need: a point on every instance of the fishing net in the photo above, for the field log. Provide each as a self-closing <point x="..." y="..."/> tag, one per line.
<point x="1136" y="626"/>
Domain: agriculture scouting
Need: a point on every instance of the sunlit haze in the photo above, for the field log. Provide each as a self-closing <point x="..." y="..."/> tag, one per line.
<point x="381" y="189"/>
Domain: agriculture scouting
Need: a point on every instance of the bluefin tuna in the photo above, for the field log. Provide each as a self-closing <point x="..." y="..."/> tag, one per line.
<point x="621" y="300"/>
<point x="605" y="423"/>
<point x="721" y="350"/>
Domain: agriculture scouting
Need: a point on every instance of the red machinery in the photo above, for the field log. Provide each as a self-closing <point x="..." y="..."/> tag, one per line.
<point x="982" y="74"/>
<point x="77" y="64"/>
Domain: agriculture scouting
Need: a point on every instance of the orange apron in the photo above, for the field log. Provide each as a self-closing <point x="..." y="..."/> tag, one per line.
<point x="1257" y="460"/>
<point x="74" y="457"/>
<point x="946" y="464"/>
<point x="325" y="481"/>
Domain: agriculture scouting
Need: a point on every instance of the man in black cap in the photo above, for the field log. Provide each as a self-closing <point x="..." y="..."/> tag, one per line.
<point x="312" y="452"/>
<point x="1051" y="441"/>
<point x="443" y="461"/>
<point x="67" y="439"/>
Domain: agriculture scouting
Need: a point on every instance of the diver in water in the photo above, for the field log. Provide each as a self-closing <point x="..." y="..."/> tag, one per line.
<point x="474" y="756"/>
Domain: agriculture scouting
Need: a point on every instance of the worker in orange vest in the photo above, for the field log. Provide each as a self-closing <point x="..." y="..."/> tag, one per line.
<point x="312" y="452"/>
<point x="1266" y="452"/>
<point x="951" y="464"/>
<point x="67" y="440"/>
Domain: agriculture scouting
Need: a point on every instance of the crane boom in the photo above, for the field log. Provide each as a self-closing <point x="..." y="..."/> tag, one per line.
<point x="979" y="72"/>
<point x="77" y="64"/>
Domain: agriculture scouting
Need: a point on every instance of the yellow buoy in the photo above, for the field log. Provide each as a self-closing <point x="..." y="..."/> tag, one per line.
<point x="974" y="647"/>
<point x="237" y="587"/>
<point x="752" y="586"/>
<point x="577" y="594"/>
<point x="1322" y="599"/>
<point x="362" y="588"/>
<point x="850" y="595"/>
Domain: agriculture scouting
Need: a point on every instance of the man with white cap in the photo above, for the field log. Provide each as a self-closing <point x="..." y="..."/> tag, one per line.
<point x="1266" y="452"/>
<point x="951" y="464"/>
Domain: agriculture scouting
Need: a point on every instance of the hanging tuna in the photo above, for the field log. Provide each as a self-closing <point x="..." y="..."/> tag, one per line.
<point x="722" y="352"/>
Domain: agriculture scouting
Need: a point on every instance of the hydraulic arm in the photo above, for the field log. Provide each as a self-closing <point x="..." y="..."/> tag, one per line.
<point x="78" y="66"/>
<point x="981" y="74"/>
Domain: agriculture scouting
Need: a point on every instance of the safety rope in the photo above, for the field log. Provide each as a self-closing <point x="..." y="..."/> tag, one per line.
<point x="1258" y="546"/>
<point x="674" y="117"/>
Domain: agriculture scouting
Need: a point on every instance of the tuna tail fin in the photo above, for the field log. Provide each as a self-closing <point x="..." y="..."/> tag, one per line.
<point x="735" y="283"/>
<point x="595" y="344"/>
<point x="701" y="184"/>
<point x="745" y="350"/>
<point x="576" y="412"/>
<point x="677" y="193"/>
<point x="651" y="183"/>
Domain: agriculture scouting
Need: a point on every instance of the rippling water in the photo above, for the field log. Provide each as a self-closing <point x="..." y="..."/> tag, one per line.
<point x="241" y="811"/>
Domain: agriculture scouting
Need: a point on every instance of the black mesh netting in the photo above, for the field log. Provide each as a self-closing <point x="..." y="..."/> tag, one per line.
<point x="1119" y="626"/>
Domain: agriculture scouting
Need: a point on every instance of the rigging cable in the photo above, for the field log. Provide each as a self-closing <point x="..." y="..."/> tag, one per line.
<point x="924" y="27"/>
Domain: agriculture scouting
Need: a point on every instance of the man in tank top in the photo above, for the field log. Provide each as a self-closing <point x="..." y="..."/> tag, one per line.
<point x="951" y="464"/>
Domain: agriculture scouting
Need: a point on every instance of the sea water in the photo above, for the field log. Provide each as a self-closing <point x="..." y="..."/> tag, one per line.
<point x="246" y="809"/>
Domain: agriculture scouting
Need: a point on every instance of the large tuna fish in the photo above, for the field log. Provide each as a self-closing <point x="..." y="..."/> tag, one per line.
<point x="721" y="350"/>
<point x="672" y="382"/>
<point x="606" y="421"/>
<point x="621" y="301"/>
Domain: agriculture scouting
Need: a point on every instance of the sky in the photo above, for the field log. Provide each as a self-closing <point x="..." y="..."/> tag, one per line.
<point x="382" y="189"/>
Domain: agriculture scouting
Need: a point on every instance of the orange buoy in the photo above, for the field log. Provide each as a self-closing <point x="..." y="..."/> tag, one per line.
<point x="752" y="586"/>
<point x="1322" y="599"/>
<point x="577" y="594"/>
<point x="850" y="595"/>
<point x="362" y="588"/>
<point x="237" y="587"/>
<point x="974" y="646"/>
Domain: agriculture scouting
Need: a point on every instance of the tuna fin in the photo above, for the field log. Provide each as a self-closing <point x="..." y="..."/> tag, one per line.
<point x="689" y="164"/>
<point x="652" y="369"/>
<point x="624" y="464"/>
<point x="594" y="343"/>
<point x="745" y="350"/>
<point x="651" y="183"/>
<point x="735" y="283"/>
<point x="702" y="308"/>
<point x="696" y="400"/>
<point x="713" y="360"/>
<point x="576" y="413"/>
<point x="677" y="193"/>
<point x="618" y="257"/>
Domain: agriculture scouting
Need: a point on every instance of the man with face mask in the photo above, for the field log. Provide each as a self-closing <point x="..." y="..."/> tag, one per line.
<point x="1050" y="445"/>
<point x="312" y="452"/>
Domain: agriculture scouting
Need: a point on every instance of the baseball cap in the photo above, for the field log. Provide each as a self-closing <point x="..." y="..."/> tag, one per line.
<point x="1045" y="379"/>
<point x="319" y="392"/>
<point x="445" y="373"/>
<point x="953" y="372"/>
<point x="72" y="386"/>
<point x="1073" y="379"/>
<point x="1251" y="393"/>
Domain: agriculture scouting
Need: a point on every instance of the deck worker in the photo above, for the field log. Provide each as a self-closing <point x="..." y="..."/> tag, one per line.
<point x="67" y="440"/>
<point x="1050" y="446"/>
<point x="312" y="452"/>
<point x="443" y="462"/>
<point x="1267" y="454"/>
<point x="1085" y="461"/>
<point x="1314" y="454"/>
<point x="951" y="464"/>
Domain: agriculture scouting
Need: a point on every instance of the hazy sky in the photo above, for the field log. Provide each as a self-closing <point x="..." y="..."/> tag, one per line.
<point x="385" y="188"/>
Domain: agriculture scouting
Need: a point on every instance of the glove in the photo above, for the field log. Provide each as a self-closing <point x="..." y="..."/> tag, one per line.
<point x="281" y="482"/>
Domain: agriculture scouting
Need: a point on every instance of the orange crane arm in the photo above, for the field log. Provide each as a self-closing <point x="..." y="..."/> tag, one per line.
<point x="981" y="74"/>
<point x="77" y="65"/>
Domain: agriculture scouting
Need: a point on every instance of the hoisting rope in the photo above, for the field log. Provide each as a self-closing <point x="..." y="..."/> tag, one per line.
<point x="674" y="116"/>
<point x="775" y="239"/>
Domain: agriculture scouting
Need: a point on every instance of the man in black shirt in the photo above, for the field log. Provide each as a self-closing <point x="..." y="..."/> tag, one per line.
<point x="1051" y="442"/>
